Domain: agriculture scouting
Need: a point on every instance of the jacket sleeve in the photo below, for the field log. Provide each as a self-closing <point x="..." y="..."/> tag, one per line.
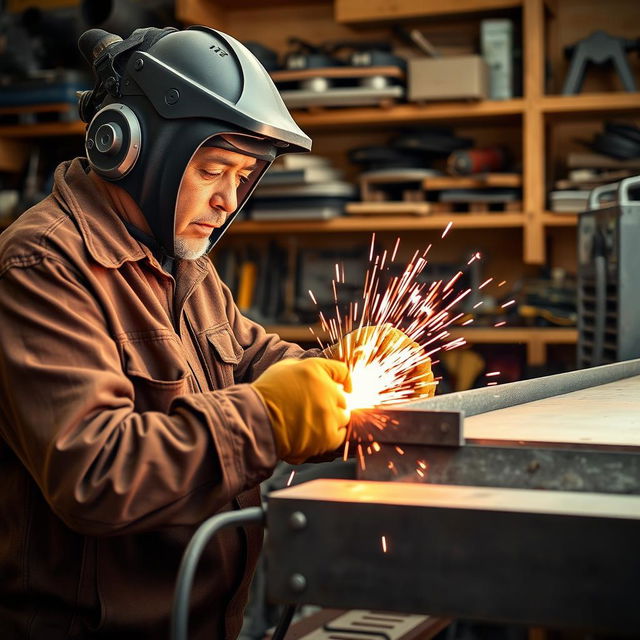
<point x="260" y="349"/>
<point x="67" y="411"/>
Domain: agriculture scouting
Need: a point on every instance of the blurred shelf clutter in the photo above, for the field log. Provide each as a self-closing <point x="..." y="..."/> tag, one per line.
<point x="614" y="155"/>
<point x="422" y="113"/>
<point x="357" y="72"/>
<point x="301" y="187"/>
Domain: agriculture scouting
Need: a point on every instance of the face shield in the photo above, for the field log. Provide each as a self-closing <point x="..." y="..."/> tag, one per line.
<point x="205" y="206"/>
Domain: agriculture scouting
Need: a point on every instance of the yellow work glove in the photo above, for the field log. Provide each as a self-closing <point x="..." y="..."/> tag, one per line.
<point x="307" y="406"/>
<point x="385" y="340"/>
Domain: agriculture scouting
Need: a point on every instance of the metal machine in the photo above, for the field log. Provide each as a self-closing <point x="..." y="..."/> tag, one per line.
<point x="608" y="268"/>
<point x="517" y="503"/>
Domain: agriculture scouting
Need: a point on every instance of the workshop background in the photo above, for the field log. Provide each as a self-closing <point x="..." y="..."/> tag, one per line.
<point x="475" y="127"/>
<point x="497" y="116"/>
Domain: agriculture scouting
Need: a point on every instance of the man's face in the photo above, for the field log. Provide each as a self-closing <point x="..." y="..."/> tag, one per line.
<point x="207" y="197"/>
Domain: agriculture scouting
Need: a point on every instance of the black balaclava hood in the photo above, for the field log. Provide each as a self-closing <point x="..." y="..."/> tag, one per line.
<point x="160" y="95"/>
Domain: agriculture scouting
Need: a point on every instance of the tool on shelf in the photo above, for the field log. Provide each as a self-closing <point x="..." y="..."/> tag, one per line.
<point x="599" y="48"/>
<point x="341" y="73"/>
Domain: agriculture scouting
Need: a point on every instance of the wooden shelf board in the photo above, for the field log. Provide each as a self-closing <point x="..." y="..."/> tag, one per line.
<point x="349" y="12"/>
<point x="379" y="223"/>
<point x="293" y="75"/>
<point x="477" y="335"/>
<point x="43" y="129"/>
<point x="406" y="113"/>
<point x="517" y="335"/>
<point x="591" y="103"/>
<point x="550" y="219"/>
<point x="328" y="118"/>
<point x="513" y="180"/>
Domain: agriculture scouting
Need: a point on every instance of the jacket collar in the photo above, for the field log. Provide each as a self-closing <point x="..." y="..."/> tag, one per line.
<point x="101" y="226"/>
<point x="100" y="221"/>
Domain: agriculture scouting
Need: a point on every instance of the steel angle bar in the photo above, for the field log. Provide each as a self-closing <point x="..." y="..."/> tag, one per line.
<point x="518" y="467"/>
<point x="544" y="558"/>
<point x="477" y="401"/>
<point x="406" y="426"/>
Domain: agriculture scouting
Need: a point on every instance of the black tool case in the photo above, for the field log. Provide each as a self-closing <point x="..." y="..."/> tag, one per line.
<point x="609" y="275"/>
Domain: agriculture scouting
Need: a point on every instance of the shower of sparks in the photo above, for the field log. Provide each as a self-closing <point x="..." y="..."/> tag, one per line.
<point x="389" y="336"/>
<point x="384" y="544"/>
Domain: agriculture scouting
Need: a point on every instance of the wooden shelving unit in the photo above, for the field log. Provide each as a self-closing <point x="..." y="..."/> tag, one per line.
<point x="546" y="26"/>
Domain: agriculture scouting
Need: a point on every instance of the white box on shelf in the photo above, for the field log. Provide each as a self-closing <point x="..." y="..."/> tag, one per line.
<point x="496" y="41"/>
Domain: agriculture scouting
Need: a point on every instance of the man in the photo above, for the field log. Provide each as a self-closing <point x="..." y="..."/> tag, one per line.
<point x="135" y="400"/>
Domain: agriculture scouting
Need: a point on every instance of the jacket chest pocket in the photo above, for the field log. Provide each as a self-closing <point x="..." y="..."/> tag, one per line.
<point x="156" y="366"/>
<point x="225" y="353"/>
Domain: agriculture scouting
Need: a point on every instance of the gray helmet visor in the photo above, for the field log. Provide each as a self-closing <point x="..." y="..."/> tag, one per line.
<point x="253" y="146"/>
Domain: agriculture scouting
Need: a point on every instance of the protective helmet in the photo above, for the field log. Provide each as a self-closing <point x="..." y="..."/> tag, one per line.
<point x="159" y="96"/>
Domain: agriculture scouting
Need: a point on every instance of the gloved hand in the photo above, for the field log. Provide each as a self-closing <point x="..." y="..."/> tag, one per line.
<point x="378" y="342"/>
<point x="307" y="406"/>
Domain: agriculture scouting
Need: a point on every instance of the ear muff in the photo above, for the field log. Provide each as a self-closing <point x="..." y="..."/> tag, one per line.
<point x="113" y="141"/>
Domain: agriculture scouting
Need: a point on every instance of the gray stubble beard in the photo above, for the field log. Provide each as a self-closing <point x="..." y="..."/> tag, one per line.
<point x="191" y="248"/>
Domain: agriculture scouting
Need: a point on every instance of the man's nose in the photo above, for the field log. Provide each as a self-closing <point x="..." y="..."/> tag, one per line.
<point x="224" y="196"/>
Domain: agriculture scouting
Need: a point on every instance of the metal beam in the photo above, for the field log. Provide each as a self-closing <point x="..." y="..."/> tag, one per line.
<point x="443" y="428"/>
<point x="546" y="558"/>
<point x="477" y="401"/>
<point x="518" y="467"/>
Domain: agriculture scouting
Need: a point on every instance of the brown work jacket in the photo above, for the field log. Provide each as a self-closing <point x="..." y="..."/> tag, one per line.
<point x="126" y="420"/>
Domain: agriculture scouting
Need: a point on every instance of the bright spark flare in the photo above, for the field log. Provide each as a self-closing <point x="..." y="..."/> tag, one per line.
<point x="384" y="544"/>
<point x="293" y="473"/>
<point x="388" y="366"/>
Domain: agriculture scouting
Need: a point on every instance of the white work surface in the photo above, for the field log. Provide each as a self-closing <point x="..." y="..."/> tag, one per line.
<point x="604" y="415"/>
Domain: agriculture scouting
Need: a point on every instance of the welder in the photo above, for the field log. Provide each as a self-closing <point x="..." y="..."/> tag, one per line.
<point x="135" y="400"/>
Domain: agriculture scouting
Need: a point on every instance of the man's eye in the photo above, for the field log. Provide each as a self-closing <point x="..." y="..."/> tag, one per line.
<point x="209" y="174"/>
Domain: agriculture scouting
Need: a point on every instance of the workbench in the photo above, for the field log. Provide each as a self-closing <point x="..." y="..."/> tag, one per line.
<point x="518" y="503"/>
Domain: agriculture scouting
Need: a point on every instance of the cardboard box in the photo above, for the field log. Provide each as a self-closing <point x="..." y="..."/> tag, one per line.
<point x="454" y="78"/>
